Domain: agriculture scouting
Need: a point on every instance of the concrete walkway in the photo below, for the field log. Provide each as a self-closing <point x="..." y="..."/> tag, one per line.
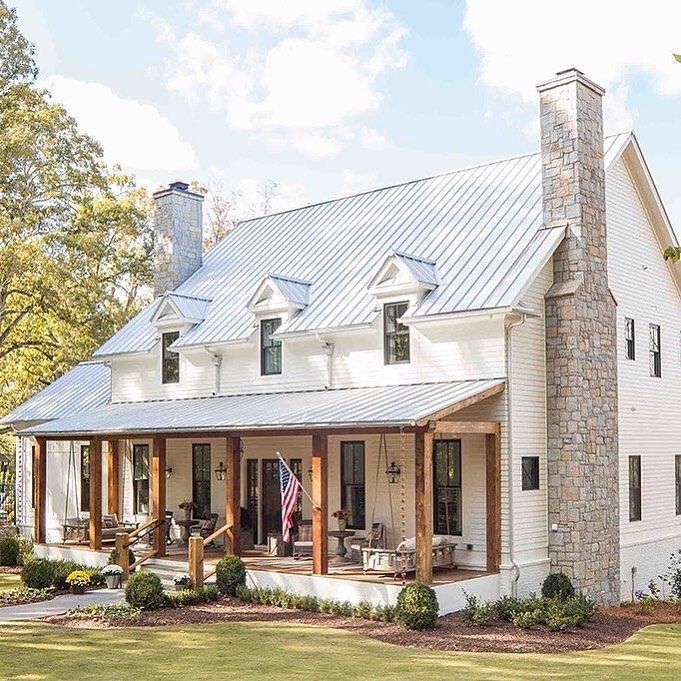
<point x="60" y="604"/>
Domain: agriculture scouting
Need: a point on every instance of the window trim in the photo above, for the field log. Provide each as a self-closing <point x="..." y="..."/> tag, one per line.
<point x="458" y="531"/>
<point x="169" y="356"/>
<point x="387" y="335"/>
<point x="33" y="476"/>
<point x="629" y="343"/>
<point x="198" y="514"/>
<point x="343" y="484"/>
<point x="534" y="485"/>
<point x="84" y="479"/>
<point x="635" y="493"/>
<point x="135" y="481"/>
<point x="273" y="344"/>
<point x="655" y="354"/>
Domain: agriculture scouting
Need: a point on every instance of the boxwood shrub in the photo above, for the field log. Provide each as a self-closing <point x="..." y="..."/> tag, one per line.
<point x="9" y="551"/>
<point x="230" y="574"/>
<point x="145" y="591"/>
<point x="417" y="607"/>
<point x="37" y="573"/>
<point x="557" y="585"/>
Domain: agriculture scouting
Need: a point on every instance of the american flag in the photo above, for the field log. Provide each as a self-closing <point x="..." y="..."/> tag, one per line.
<point x="290" y="489"/>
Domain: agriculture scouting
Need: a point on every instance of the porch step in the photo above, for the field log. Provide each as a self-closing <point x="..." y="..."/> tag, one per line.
<point x="167" y="570"/>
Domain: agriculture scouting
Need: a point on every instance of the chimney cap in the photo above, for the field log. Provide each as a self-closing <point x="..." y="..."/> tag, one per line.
<point x="179" y="185"/>
<point x="567" y="76"/>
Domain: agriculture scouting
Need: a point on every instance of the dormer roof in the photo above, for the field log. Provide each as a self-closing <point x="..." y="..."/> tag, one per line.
<point x="175" y="308"/>
<point x="277" y="293"/>
<point x="404" y="273"/>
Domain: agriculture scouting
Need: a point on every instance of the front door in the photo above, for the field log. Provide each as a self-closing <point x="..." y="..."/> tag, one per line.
<point x="447" y="487"/>
<point x="271" y="497"/>
<point x="201" y="480"/>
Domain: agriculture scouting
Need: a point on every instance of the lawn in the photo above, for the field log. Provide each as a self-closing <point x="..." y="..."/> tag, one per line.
<point x="8" y="582"/>
<point x="280" y="651"/>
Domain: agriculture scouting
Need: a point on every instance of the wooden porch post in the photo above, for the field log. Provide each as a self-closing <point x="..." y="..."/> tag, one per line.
<point x="423" y="451"/>
<point x="122" y="555"/>
<point x="320" y="513"/>
<point x="113" y="478"/>
<point x="196" y="561"/>
<point x="493" y="485"/>
<point x="233" y="496"/>
<point x="40" y="490"/>
<point x="96" y="494"/>
<point x="158" y="493"/>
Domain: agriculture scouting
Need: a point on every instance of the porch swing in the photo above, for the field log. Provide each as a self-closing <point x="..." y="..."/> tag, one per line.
<point x="73" y="527"/>
<point x="402" y="559"/>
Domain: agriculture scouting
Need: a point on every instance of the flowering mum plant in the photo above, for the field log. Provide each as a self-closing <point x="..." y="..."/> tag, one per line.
<point x="78" y="578"/>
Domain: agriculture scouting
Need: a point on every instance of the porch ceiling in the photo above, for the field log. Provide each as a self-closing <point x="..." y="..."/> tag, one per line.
<point x="385" y="406"/>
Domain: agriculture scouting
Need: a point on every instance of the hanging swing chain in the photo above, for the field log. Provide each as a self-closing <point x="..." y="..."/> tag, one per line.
<point x="403" y="492"/>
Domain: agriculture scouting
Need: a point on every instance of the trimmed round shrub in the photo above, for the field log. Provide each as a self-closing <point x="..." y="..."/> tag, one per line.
<point x="417" y="607"/>
<point x="9" y="551"/>
<point x="230" y="574"/>
<point x="557" y="585"/>
<point x="145" y="591"/>
<point x="37" y="573"/>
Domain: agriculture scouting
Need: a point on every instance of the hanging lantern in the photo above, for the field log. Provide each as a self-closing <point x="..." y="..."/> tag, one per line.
<point x="220" y="471"/>
<point x="393" y="472"/>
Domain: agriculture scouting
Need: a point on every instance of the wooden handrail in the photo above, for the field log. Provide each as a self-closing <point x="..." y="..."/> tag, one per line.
<point x="216" y="534"/>
<point x="134" y="533"/>
<point x="141" y="560"/>
<point x="210" y="574"/>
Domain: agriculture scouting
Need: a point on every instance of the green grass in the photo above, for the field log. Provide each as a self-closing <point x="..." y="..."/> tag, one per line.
<point x="279" y="651"/>
<point x="8" y="582"/>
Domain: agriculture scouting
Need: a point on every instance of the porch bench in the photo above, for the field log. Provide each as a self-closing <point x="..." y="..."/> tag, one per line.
<point x="402" y="560"/>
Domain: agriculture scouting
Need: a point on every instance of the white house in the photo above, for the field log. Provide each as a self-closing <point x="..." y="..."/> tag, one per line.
<point x="491" y="355"/>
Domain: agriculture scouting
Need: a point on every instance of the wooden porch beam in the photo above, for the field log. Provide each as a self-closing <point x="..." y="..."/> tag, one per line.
<point x="463" y="427"/>
<point x="423" y="452"/>
<point x="493" y="497"/>
<point x="113" y="478"/>
<point x="40" y="490"/>
<point x="320" y="511"/>
<point x="96" y="494"/>
<point x="158" y="493"/>
<point x="233" y="496"/>
<point x="463" y="404"/>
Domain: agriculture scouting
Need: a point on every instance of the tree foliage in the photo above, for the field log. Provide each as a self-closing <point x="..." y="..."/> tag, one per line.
<point x="75" y="236"/>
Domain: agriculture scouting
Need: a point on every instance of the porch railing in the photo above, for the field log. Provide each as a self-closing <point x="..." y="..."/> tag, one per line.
<point x="197" y="546"/>
<point x="126" y="540"/>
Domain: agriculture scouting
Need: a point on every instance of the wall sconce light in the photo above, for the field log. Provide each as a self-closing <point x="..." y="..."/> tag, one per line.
<point x="169" y="471"/>
<point x="393" y="472"/>
<point x="220" y="471"/>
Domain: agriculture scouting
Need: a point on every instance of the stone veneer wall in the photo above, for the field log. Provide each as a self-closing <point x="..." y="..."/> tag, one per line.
<point x="178" y="236"/>
<point x="581" y="345"/>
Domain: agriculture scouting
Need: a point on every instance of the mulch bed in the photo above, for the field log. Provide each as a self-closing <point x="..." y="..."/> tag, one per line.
<point x="609" y="627"/>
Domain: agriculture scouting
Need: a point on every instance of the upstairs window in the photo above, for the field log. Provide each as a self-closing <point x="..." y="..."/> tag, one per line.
<point x="629" y="339"/>
<point x="677" y="465"/>
<point x="396" y="334"/>
<point x="634" y="488"/>
<point x="270" y="348"/>
<point x="655" y="351"/>
<point x="85" y="477"/>
<point x="171" y="360"/>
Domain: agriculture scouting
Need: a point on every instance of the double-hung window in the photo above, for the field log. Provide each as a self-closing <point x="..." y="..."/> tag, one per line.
<point x="655" y="351"/>
<point x="634" y="488"/>
<point x="171" y="360"/>
<point x="396" y="335"/>
<point x="352" y="483"/>
<point x="270" y="348"/>
<point x="140" y="478"/>
<point x="85" y="477"/>
<point x="629" y="339"/>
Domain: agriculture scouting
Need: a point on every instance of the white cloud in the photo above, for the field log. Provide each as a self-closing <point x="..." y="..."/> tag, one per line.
<point x="309" y="76"/>
<point x="526" y="41"/>
<point x="353" y="183"/>
<point x="132" y="133"/>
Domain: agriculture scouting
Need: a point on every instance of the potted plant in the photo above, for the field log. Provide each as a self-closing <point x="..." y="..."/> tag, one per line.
<point x="78" y="580"/>
<point x="342" y="516"/>
<point x="182" y="582"/>
<point x="113" y="575"/>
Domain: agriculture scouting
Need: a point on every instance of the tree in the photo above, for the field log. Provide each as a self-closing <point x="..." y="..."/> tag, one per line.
<point x="75" y="237"/>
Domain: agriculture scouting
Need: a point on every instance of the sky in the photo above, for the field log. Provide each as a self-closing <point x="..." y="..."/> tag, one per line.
<point x="332" y="97"/>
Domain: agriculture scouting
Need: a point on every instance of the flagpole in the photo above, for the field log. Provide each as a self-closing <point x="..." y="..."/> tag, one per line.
<point x="300" y="482"/>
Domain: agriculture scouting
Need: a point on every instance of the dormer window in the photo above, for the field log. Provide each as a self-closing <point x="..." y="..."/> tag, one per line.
<point x="270" y="348"/>
<point x="170" y="360"/>
<point x="396" y="335"/>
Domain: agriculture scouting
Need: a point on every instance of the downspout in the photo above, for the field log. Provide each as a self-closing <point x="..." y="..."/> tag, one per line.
<point x="509" y="450"/>
<point x="217" y="364"/>
<point x="329" y="348"/>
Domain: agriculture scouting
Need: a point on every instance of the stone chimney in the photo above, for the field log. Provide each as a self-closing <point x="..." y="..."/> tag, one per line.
<point x="178" y="236"/>
<point x="581" y="342"/>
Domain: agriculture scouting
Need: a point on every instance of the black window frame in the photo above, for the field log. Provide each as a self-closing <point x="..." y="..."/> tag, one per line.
<point x="453" y="482"/>
<point x="296" y="466"/>
<point x="85" y="477"/>
<point x="352" y="490"/>
<point x="394" y="330"/>
<point x="530" y="476"/>
<point x="655" y="351"/>
<point x="635" y="486"/>
<point x="33" y="476"/>
<point x="270" y="348"/>
<point x="629" y="338"/>
<point x="201" y="486"/>
<point x="253" y="495"/>
<point x="677" y="482"/>
<point x="170" y="360"/>
<point x="140" y="479"/>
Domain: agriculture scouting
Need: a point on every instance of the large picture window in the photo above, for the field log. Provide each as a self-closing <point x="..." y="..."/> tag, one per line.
<point x="352" y="483"/>
<point x="396" y="334"/>
<point x="85" y="477"/>
<point x="629" y="339"/>
<point x="270" y="348"/>
<point x="447" y="487"/>
<point x="171" y="360"/>
<point x="634" y="488"/>
<point x="201" y="471"/>
<point x="140" y="478"/>
<point x="655" y="351"/>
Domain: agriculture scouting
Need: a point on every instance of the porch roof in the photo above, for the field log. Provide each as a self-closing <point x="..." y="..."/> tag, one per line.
<point x="388" y="406"/>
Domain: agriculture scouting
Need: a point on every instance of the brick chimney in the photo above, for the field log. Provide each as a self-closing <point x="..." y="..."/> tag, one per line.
<point x="581" y="345"/>
<point x="178" y="236"/>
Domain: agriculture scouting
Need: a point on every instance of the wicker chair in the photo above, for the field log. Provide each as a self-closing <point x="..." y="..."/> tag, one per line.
<point x="374" y="538"/>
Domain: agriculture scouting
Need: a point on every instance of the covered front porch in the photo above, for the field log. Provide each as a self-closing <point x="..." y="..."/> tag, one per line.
<point x="424" y="474"/>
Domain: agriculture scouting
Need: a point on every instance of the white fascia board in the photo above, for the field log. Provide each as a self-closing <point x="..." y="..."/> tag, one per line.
<point x="466" y="314"/>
